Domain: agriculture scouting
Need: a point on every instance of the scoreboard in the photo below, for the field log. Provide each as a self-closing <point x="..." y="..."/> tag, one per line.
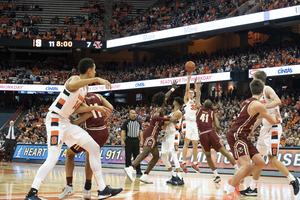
<point x="58" y="44"/>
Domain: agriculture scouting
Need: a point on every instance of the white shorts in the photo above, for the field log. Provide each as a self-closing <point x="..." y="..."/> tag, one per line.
<point x="167" y="144"/>
<point x="191" y="130"/>
<point x="265" y="140"/>
<point x="60" y="130"/>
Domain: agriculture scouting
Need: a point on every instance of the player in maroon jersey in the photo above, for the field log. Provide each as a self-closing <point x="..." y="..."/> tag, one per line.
<point x="205" y="118"/>
<point x="151" y="136"/>
<point x="94" y="124"/>
<point x="242" y="148"/>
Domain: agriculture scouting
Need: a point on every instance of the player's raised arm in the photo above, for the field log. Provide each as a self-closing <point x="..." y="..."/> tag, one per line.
<point x="187" y="88"/>
<point x="74" y="83"/>
<point x="198" y="87"/>
<point x="270" y="93"/>
<point x="260" y="108"/>
<point x="174" y="87"/>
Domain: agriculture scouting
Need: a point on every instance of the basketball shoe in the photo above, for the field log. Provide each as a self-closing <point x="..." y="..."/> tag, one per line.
<point x="249" y="192"/>
<point x="217" y="179"/>
<point x="108" y="192"/>
<point x="87" y="194"/>
<point x="295" y="185"/>
<point x="183" y="167"/>
<point x="67" y="191"/>
<point x="231" y="196"/>
<point x="179" y="181"/>
<point x="171" y="180"/>
<point x="129" y="171"/>
<point x="196" y="168"/>
<point x="144" y="178"/>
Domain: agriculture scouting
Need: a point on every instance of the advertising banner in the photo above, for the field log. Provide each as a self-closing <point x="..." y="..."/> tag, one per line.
<point x="277" y="71"/>
<point x="116" y="155"/>
<point x="215" y="77"/>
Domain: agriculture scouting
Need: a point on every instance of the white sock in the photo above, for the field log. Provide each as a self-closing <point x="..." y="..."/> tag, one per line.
<point x="230" y="189"/>
<point x="179" y="175"/>
<point x="291" y="177"/>
<point x="215" y="173"/>
<point x="235" y="167"/>
<point x="131" y="168"/>
<point x="253" y="184"/>
<point x="195" y="163"/>
<point x="173" y="173"/>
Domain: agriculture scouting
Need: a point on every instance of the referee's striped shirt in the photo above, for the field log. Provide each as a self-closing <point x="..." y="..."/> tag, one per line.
<point x="132" y="128"/>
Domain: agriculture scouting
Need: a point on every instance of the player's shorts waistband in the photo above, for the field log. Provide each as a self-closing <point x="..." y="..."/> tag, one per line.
<point x="96" y="128"/>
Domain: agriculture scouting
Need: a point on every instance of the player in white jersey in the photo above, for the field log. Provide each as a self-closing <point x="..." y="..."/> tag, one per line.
<point x="269" y="138"/>
<point x="170" y="143"/>
<point x="189" y="126"/>
<point x="60" y="130"/>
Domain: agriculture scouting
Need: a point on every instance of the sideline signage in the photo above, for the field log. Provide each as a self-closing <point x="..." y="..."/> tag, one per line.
<point x="116" y="155"/>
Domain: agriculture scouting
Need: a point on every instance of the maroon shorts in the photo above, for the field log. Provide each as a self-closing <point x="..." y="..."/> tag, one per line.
<point x="209" y="140"/>
<point x="241" y="147"/>
<point x="100" y="136"/>
<point x="150" y="142"/>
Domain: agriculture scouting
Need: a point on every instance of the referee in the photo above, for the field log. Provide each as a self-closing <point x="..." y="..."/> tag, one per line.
<point x="132" y="130"/>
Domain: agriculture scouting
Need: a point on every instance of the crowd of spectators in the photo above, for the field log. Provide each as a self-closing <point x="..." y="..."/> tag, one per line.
<point x="271" y="4"/>
<point x="236" y="59"/>
<point x="16" y="27"/>
<point x="89" y="26"/>
<point x="227" y="108"/>
<point x="171" y="14"/>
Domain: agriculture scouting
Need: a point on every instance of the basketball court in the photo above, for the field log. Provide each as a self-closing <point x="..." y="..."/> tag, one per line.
<point x="16" y="180"/>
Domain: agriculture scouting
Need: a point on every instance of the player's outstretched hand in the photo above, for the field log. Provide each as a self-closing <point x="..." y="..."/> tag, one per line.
<point x="198" y="84"/>
<point x="104" y="111"/>
<point x="189" y="74"/>
<point x="106" y="83"/>
<point x="174" y="84"/>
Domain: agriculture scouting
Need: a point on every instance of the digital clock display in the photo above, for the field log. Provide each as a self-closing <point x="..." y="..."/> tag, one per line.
<point x="40" y="43"/>
<point x="43" y="43"/>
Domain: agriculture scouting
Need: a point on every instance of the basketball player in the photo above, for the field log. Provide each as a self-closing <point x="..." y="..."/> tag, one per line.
<point x="208" y="136"/>
<point x="150" y="136"/>
<point x="189" y="126"/>
<point x="269" y="138"/>
<point x="170" y="144"/>
<point x="94" y="124"/>
<point x="60" y="130"/>
<point x="242" y="148"/>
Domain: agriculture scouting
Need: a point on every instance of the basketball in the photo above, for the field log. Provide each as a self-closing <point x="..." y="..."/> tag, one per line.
<point x="190" y="66"/>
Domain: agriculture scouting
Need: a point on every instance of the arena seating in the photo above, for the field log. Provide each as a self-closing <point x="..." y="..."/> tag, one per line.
<point x="83" y="20"/>
<point x="236" y="59"/>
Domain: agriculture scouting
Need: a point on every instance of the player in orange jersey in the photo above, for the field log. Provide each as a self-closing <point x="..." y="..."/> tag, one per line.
<point x="60" y="130"/>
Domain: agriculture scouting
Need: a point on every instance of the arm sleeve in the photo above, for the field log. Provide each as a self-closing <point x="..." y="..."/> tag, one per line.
<point x="124" y="126"/>
<point x="141" y="128"/>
